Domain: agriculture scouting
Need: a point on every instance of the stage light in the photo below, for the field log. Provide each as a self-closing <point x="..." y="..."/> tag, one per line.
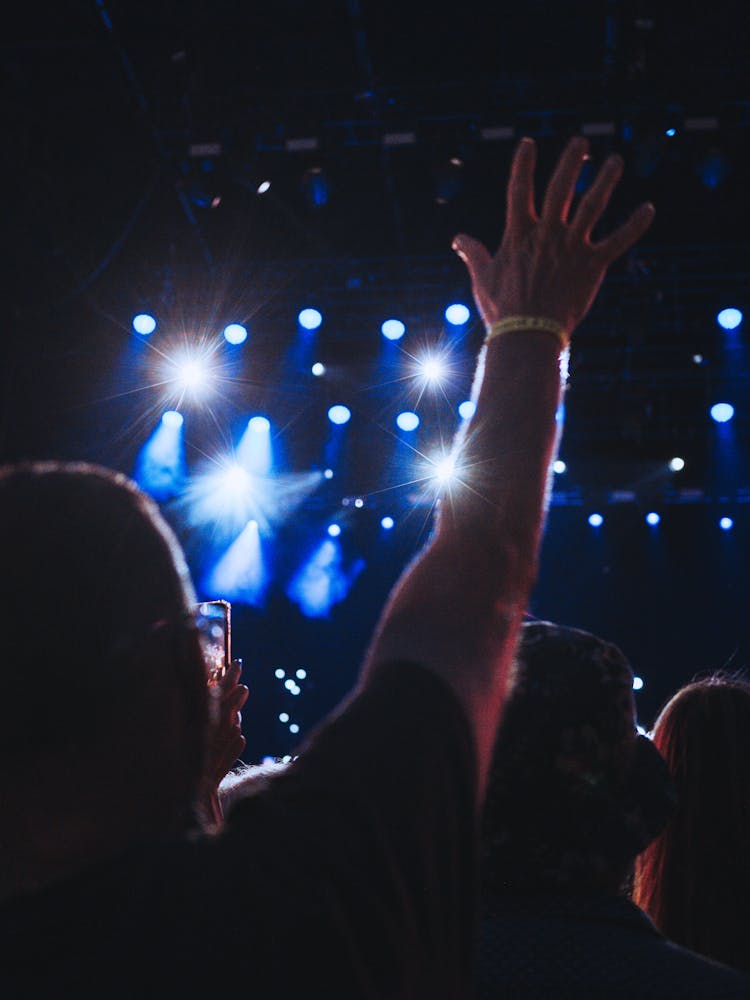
<point x="144" y="324"/>
<point x="467" y="409"/>
<point x="729" y="319"/>
<point x="671" y="132"/>
<point x="323" y="580"/>
<point x="393" y="329"/>
<point x="652" y="518"/>
<point x="172" y="418"/>
<point x="310" y="319"/>
<point x="160" y="466"/>
<point x="294" y="728"/>
<point x="596" y="520"/>
<point x="301" y="674"/>
<point x="259" y="425"/>
<point x="677" y="464"/>
<point x="432" y="369"/>
<point x="334" y="530"/>
<point x="559" y="466"/>
<point x="722" y="412"/>
<point x="386" y="523"/>
<point x="328" y="473"/>
<point x="339" y="414"/>
<point x="278" y="672"/>
<point x="444" y="469"/>
<point x="284" y="717"/>
<point x="637" y="683"/>
<point x="240" y="575"/>
<point x="407" y="421"/>
<point x="457" y="314"/>
<point x="697" y="359"/>
<point x="235" y="333"/>
<point x="263" y="187"/>
<point x="318" y="369"/>
<point x="359" y="503"/>
<point x="726" y="523"/>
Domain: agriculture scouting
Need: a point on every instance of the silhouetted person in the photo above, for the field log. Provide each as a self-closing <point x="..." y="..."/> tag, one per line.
<point x="694" y="879"/>
<point x="575" y="793"/>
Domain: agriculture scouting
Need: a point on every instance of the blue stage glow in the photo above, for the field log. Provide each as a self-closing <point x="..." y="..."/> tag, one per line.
<point x="235" y="333"/>
<point x="671" y="132"/>
<point x="310" y="319"/>
<point x="386" y="523"/>
<point x="457" y="314"/>
<point x="144" y="324"/>
<point x="432" y="369"/>
<point x="652" y="518"/>
<point x="722" y="412"/>
<point x="323" y="580"/>
<point x="637" y="683"/>
<point x="334" y="530"/>
<point x="677" y="464"/>
<point x="596" y="520"/>
<point x="393" y="329"/>
<point x="328" y="473"/>
<point x="172" y="418"/>
<point x="558" y="466"/>
<point x="467" y="409"/>
<point x="253" y="452"/>
<point x="160" y="467"/>
<point x="726" y="523"/>
<point x="339" y="414"/>
<point x="729" y="319"/>
<point x="260" y="425"/>
<point x="318" y="369"/>
<point x="407" y="421"/>
<point x="240" y="575"/>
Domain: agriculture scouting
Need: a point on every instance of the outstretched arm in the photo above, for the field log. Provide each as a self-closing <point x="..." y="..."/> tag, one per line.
<point x="457" y="608"/>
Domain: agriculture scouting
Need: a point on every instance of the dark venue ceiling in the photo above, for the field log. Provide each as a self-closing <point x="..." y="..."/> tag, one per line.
<point x="136" y="136"/>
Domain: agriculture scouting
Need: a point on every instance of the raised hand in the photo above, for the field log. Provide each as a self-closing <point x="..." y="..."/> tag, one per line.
<point x="547" y="265"/>
<point x="226" y="741"/>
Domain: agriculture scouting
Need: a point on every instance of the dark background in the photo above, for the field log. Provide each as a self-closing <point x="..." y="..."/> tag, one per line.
<point x="113" y="205"/>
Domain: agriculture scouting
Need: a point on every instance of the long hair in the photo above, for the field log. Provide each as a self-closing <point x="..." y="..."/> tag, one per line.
<point x="694" y="879"/>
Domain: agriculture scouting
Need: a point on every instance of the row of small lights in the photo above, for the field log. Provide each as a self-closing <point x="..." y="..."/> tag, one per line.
<point x="596" y="520"/>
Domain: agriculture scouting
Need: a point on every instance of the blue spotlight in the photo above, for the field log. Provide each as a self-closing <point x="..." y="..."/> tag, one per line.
<point x="407" y="421"/>
<point x="334" y="530"/>
<point x="318" y="369"/>
<point x="729" y="319"/>
<point x="393" y="329"/>
<point x="235" y="333"/>
<point x="467" y="409"/>
<point x="240" y="575"/>
<point x="386" y="523"/>
<point x="328" y="473"/>
<point x="637" y="683"/>
<point x="722" y="412"/>
<point x="160" y="466"/>
<point x="726" y="523"/>
<point x="457" y="314"/>
<point x="558" y="466"/>
<point x="260" y="425"/>
<point x="172" y="418"/>
<point x="596" y="520"/>
<point x="677" y="464"/>
<point x="323" y="580"/>
<point x="671" y="132"/>
<point x="310" y="319"/>
<point x="432" y="369"/>
<point x="253" y="452"/>
<point x="144" y="324"/>
<point x="652" y="518"/>
<point x="339" y="414"/>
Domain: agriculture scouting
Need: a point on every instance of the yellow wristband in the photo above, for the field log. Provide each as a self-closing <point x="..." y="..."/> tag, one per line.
<point x="521" y="323"/>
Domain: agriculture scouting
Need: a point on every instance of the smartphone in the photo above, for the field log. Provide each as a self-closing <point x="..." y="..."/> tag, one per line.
<point x="214" y="625"/>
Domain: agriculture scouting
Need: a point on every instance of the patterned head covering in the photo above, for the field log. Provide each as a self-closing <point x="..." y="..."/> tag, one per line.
<point x="575" y="792"/>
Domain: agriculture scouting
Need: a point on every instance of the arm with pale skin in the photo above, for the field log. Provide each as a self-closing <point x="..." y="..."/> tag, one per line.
<point x="458" y="606"/>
